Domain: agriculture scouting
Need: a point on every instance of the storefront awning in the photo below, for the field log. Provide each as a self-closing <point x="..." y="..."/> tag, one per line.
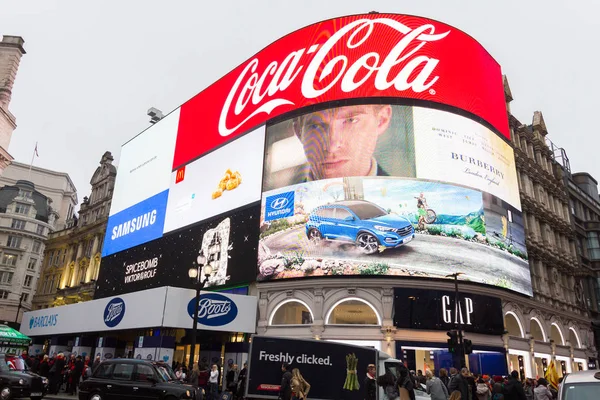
<point x="12" y="337"/>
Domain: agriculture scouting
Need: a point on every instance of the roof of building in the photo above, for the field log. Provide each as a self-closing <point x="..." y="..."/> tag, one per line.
<point x="9" y="193"/>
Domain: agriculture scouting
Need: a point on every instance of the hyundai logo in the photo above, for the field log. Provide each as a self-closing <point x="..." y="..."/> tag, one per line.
<point x="279" y="203"/>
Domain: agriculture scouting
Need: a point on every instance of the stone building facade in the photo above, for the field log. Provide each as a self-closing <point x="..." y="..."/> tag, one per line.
<point x="11" y="51"/>
<point x="26" y="218"/>
<point x="57" y="186"/>
<point x="72" y="258"/>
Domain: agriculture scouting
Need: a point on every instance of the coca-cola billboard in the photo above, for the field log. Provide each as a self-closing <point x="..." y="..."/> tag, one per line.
<point x="360" y="56"/>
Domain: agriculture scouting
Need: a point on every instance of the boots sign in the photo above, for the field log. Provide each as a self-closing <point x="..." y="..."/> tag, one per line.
<point x="436" y="310"/>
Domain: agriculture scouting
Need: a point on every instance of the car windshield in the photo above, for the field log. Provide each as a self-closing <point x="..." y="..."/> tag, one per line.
<point x="166" y="372"/>
<point x="8" y="363"/>
<point x="367" y="210"/>
<point x="581" y="391"/>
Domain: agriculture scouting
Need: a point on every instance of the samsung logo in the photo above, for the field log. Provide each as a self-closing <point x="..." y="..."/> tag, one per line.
<point x="135" y="224"/>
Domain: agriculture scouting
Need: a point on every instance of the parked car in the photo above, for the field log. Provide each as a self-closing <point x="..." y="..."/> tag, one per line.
<point x="124" y="378"/>
<point x="582" y="385"/>
<point x="17" y="382"/>
<point x="361" y="222"/>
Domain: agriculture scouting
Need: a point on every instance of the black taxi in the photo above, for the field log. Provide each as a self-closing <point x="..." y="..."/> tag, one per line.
<point x="123" y="378"/>
<point x="16" y="381"/>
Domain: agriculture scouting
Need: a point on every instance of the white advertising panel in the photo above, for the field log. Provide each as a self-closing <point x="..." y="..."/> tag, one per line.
<point x="145" y="164"/>
<point x="217" y="311"/>
<point x="454" y="149"/>
<point x="221" y="181"/>
<point x="132" y="310"/>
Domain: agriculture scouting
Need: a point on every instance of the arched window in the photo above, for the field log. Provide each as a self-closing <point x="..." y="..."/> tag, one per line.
<point x="556" y="334"/>
<point x="291" y="312"/>
<point x="537" y="331"/>
<point x="352" y="311"/>
<point x="513" y="325"/>
<point x="574" y="338"/>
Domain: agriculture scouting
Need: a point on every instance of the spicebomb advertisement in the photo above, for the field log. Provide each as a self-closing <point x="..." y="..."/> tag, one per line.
<point x="227" y="242"/>
<point x="436" y="310"/>
<point x="333" y="370"/>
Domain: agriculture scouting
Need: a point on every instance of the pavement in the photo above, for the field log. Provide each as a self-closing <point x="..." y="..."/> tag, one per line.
<point x="426" y="255"/>
<point x="61" y="396"/>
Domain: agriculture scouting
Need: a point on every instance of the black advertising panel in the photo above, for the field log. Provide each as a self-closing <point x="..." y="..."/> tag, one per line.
<point x="435" y="309"/>
<point x="324" y="365"/>
<point x="228" y="242"/>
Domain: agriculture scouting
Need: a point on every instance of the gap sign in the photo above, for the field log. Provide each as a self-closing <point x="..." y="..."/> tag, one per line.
<point x="279" y="206"/>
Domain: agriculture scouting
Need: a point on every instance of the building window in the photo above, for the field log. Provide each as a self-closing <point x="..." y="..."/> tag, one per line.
<point x="9" y="259"/>
<point x="291" y="313"/>
<point x="31" y="264"/>
<point x="22" y="209"/>
<point x="88" y="247"/>
<point x="25" y="297"/>
<point x="25" y="194"/>
<point x="37" y="245"/>
<point x="40" y="230"/>
<point x="4" y="294"/>
<point x="28" y="280"/>
<point x="352" y="312"/>
<point x="6" y="277"/>
<point x="18" y="224"/>
<point x="14" y="241"/>
<point x="593" y="245"/>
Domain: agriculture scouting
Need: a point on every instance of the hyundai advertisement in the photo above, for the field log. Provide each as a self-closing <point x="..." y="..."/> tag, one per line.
<point x="391" y="190"/>
<point x="363" y="145"/>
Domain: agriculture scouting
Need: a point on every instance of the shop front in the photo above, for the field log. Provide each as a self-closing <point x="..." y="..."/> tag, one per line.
<point x="153" y="324"/>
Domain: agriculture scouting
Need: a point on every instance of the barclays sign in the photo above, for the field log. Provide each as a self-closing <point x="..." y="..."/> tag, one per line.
<point x="214" y="310"/>
<point x="114" y="312"/>
<point x="43" y="321"/>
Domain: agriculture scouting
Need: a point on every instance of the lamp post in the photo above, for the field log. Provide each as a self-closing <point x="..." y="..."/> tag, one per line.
<point x="457" y="319"/>
<point x="19" y="308"/>
<point x="194" y="274"/>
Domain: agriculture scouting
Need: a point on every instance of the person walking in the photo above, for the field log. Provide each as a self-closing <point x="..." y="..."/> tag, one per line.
<point x="300" y="387"/>
<point x="444" y="377"/>
<point x="513" y="390"/>
<point x="214" y="382"/>
<point x="389" y="383"/>
<point x="230" y="382"/>
<point x="193" y="379"/>
<point x="97" y="362"/>
<point x="56" y="373"/>
<point x="541" y="392"/>
<point x="285" y="391"/>
<point x="370" y="384"/>
<point x="435" y="387"/>
<point x="483" y="390"/>
<point x="44" y="368"/>
<point x="241" y="388"/>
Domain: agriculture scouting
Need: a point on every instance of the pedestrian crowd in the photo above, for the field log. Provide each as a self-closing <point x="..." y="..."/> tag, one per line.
<point x="209" y="379"/>
<point x="455" y="385"/>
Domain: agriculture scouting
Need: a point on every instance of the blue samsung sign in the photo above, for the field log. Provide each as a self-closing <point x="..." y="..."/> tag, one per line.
<point x="114" y="312"/>
<point x="279" y="206"/>
<point x="135" y="225"/>
<point x="214" y="310"/>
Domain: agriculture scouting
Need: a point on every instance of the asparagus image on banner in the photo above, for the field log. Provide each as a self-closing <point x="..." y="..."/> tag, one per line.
<point x="351" y="378"/>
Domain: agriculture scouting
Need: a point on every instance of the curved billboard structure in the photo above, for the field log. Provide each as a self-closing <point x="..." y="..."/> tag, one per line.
<point x="372" y="144"/>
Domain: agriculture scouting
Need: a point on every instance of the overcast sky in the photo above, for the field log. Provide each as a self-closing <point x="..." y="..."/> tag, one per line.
<point x="93" y="69"/>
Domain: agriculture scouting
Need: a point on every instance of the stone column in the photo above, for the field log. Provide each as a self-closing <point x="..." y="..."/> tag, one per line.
<point x="263" y="299"/>
<point x="318" y="326"/>
<point x="506" y="341"/>
<point x="532" y="353"/>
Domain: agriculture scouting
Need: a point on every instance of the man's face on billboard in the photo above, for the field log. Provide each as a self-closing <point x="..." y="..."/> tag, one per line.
<point x="340" y="142"/>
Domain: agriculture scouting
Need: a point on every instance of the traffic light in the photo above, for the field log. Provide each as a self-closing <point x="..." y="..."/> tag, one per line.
<point x="453" y="341"/>
<point x="468" y="346"/>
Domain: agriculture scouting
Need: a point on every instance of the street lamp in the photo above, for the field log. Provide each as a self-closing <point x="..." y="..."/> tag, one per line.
<point x="198" y="282"/>
<point x="458" y="319"/>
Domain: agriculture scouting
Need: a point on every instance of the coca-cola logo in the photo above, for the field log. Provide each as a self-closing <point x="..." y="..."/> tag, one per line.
<point x="261" y="85"/>
<point x="214" y="310"/>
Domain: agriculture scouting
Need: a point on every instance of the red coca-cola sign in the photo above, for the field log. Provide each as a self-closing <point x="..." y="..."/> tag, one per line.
<point x="360" y="56"/>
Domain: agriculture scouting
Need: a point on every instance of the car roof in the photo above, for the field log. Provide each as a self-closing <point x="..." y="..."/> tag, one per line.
<point x="134" y="361"/>
<point x="583" y="376"/>
<point x="349" y="203"/>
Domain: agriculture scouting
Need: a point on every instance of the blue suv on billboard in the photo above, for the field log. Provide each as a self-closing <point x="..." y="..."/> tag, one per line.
<point x="360" y="222"/>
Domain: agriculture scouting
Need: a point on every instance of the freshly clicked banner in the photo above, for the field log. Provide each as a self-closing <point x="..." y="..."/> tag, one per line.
<point x="228" y="242"/>
<point x="223" y="180"/>
<point x="362" y="190"/>
<point x="359" y="56"/>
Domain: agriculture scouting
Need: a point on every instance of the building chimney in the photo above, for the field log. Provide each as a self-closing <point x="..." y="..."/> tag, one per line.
<point x="11" y="51"/>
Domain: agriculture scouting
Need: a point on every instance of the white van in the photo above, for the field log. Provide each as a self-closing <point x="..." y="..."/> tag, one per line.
<point x="583" y="385"/>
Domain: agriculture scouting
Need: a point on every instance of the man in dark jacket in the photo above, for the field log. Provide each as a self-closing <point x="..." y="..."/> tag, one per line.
<point x="76" y="374"/>
<point x="513" y="390"/>
<point x="285" y="392"/>
<point x="370" y="383"/>
<point x="461" y="382"/>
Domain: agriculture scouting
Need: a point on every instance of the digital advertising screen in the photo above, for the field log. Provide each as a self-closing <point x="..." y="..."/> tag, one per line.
<point x="390" y="190"/>
<point x="364" y="145"/>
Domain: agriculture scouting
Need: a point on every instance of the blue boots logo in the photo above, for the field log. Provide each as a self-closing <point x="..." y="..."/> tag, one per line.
<point x="214" y="310"/>
<point x="114" y="312"/>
